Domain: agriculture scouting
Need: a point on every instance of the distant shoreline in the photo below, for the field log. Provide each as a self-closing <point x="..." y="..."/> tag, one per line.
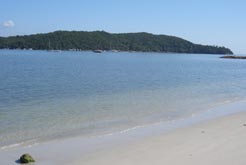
<point x="101" y="40"/>
<point x="234" y="57"/>
<point x="102" y="51"/>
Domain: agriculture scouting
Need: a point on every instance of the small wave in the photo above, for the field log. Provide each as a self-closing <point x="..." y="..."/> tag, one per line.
<point x="12" y="146"/>
<point x="26" y="144"/>
<point x="133" y="128"/>
<point x="122" y="131"/>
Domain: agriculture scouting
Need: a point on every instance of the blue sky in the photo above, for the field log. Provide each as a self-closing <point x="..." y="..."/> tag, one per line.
<point x="214" y="22"/>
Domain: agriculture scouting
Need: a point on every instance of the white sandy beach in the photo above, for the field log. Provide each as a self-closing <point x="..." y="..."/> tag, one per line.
<point x="219" y="140"/>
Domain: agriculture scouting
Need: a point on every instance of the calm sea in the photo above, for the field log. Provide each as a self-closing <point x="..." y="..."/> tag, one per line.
<point x="48" y="95"/>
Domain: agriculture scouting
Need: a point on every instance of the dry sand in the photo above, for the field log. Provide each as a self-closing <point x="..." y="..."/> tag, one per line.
<point x="215" y="142"/>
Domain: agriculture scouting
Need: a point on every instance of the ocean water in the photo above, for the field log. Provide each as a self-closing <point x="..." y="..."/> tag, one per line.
<point x="49" y="95"/>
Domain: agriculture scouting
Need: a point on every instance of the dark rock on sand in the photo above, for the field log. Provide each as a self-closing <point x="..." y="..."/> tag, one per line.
<point x="26" y="158"/>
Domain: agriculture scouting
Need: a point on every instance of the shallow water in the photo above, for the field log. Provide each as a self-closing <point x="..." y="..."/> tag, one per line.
<point x="47" y="95"/>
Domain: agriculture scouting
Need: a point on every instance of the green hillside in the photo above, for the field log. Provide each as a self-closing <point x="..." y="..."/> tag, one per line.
<point x="146" y="42"/>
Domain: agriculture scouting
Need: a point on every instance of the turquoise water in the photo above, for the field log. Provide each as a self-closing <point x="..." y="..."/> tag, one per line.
<point x="48" y="95"/>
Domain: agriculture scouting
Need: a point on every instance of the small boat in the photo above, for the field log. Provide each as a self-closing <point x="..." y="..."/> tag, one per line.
<point x="97" y="51"/>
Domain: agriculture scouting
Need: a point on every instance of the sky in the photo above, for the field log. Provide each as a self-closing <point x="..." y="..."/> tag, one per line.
<point x="209" y="22"/>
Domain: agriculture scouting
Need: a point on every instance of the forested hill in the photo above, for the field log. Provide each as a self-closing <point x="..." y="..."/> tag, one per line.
<point x="81" y="40"/>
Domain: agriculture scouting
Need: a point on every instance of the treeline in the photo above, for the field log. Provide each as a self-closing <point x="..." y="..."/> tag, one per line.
<point x="81" y="40"/>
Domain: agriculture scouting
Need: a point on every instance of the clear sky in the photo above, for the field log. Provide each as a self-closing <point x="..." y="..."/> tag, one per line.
<point x="214" y="22"/>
